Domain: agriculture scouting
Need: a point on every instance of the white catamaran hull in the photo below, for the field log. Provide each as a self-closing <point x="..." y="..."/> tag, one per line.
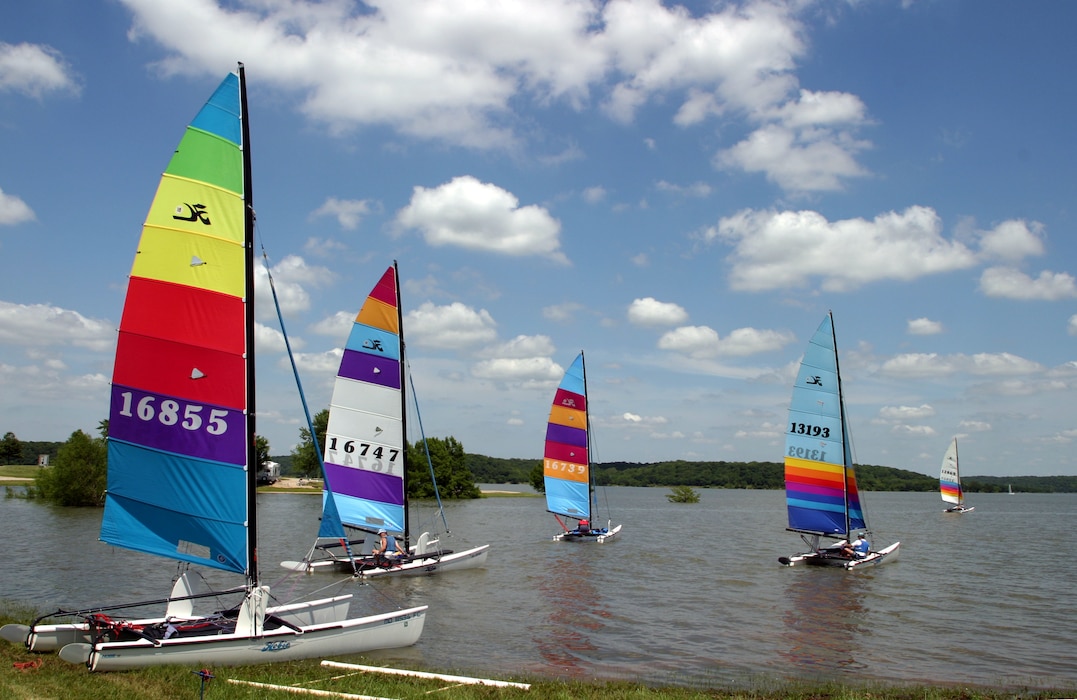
<point x="49" y="638"/>
<point x="598" y="536"/>
<point x="830" y="557"/>
<point x="416" y="565"/>
<point x="350" y="636"/>
<point x="959" y="509"/>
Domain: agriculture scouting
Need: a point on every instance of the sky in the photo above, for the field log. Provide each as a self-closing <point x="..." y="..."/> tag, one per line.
<point x="681" y="191"/>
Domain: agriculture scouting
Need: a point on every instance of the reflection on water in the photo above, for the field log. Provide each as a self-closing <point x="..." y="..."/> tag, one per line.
<point x="576" y="614"/>
<point x="824" y="619"/>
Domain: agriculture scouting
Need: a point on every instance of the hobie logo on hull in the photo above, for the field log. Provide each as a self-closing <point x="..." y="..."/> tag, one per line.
<point x="276" y="646"/>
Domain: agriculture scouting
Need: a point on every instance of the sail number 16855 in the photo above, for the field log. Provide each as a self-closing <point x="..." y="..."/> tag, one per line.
<point x="169" y="413"/>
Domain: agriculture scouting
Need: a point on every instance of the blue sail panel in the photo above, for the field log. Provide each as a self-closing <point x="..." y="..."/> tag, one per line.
<point x="200" y="523"/>
<point x="569" y="498"/>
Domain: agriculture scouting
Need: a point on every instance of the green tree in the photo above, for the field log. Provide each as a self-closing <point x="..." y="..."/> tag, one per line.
<point x="261" y="451"/>
<point x="79" y="475"/>
<point x="450" y="469"/>
<point x="537" y="478"/>
<point x="682" y="494"/>
<point x="305" y="461"/>
<point x="10" y="449"/>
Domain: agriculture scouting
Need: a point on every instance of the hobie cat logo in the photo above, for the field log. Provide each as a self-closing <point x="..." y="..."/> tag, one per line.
<point x="193" y="212"/>
<point x="276" y="646"/>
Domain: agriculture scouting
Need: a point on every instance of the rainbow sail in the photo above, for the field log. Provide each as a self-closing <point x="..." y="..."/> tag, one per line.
<point x="950" y="478"/>
<point x="566" y="469"/>
<point x="820" y="484"/>
<point x="364" y="442"/>
<point x="180" y="426"/>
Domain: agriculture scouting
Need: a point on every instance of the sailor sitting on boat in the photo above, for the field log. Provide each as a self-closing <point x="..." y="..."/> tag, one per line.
<point x="388" y="547"/>
<point x="858" y="548"/>
<point x="583" y="528"/>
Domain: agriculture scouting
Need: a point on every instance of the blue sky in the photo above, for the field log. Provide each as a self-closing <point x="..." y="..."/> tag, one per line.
<point x="680" y="190"/>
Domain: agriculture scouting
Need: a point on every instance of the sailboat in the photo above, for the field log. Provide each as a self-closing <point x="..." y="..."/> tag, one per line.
<point x="821" y="496"/>
<point x="365" y="456"/>
<point x="566" y="466"/>
<point x="950" y="482"/>
<point x="1010" y="487"/>
<point x="181" y="444"/>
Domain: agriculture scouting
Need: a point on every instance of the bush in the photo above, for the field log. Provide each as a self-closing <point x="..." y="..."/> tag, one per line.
<point x="80" y="474"/>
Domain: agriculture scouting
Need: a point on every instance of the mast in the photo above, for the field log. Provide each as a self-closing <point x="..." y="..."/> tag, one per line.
<point x="587" y="422"/>
<point x="248" y="242"/>
<point x="403" y="402"/>
<point x="957" y="477"/>
<point x="844" y="429"/>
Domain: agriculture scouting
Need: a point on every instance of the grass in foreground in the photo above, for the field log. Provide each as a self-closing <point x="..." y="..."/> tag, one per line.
<point x="52" y="678"/>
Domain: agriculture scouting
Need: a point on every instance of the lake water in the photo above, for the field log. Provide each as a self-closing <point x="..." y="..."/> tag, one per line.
<point x="690" y="594"/>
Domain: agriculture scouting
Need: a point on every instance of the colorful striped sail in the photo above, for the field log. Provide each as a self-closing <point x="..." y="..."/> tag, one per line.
<point x="364" y="442"/>
<point x="178" y="422"/>
<point x="820" y="484"/>
<point x="566" y="469"/>
<point x="949" y="477"/>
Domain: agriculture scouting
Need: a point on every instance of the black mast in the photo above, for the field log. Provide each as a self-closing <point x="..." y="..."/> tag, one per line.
<point x="248" y="243"/>
<point x="403" y="401"/>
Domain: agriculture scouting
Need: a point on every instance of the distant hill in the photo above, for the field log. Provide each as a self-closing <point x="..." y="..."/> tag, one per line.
<point x="756" y="475"/>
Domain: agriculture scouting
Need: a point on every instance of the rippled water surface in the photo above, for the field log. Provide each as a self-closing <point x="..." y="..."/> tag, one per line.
<point x="689" y="594"/>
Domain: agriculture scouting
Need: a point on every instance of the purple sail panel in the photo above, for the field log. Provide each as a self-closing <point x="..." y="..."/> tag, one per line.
<point x="360" y="483"/>
<point x="566" y="435"/>
<point x="369" y="368"/>
<point x="177" y="426"/>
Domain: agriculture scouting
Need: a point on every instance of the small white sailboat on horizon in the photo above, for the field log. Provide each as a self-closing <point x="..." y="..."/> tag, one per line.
<point x="950" y="482"/>
<point x="821" y="494"/>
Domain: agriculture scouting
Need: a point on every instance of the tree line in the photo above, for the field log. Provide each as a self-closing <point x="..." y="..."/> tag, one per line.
<point x="752" y="475"/>
<point x="77" y="471"/>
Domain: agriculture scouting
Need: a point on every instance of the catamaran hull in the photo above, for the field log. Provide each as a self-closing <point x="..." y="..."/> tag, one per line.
<point x="50" y="638"/>
<point x="597" y="536"/>
<point x="431" y="563"/>
<point x="456" y="561"/>
<point x="959" y="509"/>
<point x="354" y="636"/>
<point x="823" y="558"/>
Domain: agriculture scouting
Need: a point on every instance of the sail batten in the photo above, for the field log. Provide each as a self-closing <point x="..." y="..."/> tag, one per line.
<point x="180" y="407"/>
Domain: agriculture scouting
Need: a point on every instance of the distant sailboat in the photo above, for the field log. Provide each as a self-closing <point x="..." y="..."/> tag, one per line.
<point x="366" y="452"/>
<point x="820" y="483"/>
<point x="950" y="481"/>
<point x="1010" y="487"/>
<point x="566" y="464"/>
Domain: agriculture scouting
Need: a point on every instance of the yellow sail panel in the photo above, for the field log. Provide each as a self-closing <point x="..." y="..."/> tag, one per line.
<point x="198" y="208"/>
<point x="195" y="261"/>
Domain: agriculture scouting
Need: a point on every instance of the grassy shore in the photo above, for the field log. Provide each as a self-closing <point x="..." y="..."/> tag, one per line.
<point x="45" y="676"/>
